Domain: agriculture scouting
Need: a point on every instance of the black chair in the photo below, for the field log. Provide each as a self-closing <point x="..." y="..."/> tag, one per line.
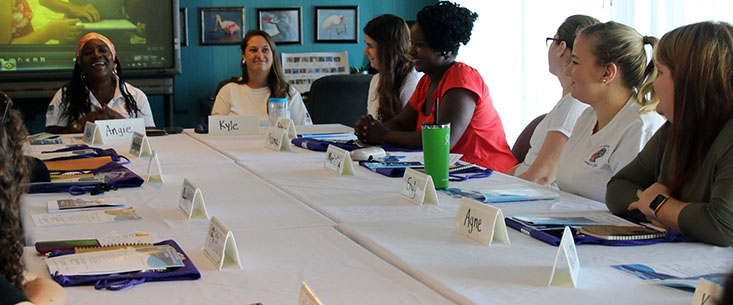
<point x="338" y="98"/>
<point x="521" y="146"/>
<point x="205" y="105"/>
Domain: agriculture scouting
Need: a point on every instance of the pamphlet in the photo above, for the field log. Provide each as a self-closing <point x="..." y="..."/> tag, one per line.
<point x="86" y="217"/>
<point x="88" y="203"/>
<point x="115" y="261"/>
<point x="683" y="275"/>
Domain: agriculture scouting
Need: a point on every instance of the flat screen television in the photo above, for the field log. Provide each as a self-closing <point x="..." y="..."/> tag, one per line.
<point x="145" y="34"/>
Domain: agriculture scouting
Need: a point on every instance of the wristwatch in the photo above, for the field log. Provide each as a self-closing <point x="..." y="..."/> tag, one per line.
<point x="658" y="202"/>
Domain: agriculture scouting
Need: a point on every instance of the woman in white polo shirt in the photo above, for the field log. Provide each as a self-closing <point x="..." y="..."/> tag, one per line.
<point x="96" y="91"/>
<point x="552" y="133"/>
<point x="609" y="72"/>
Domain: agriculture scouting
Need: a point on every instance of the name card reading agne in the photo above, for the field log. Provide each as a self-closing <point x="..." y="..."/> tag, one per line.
<point x="119" y="129"/>
<point x="419" y="188"/>
<point x="481" y="222"/>
<point x="220" y="246"/>
<point x="155" y="173"/>
<point x="192" y="201"/>
<point x="225" y="125"/>
<point x="338" y="161"/>
<point x="306" y="296"/>
<point x="566" y="268"/>
<point x="140" y="146"/>
<point x="277" y="139"/>
<point x="287" y="124"/>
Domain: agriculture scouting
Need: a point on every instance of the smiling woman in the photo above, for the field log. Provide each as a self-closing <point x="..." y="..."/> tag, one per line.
<point x="96" y="91"/>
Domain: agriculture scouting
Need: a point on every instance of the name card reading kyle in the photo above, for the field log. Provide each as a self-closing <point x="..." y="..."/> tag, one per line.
<point x="277" y="139"/>
<point x="707" y="293"/>
<point x="121" y="129"/>
<point x="140" y="146"/>
<point x="91" y="134"/>
<point x="481" y="222"/>
<point x="566" y="268"/>
<point x="220" y="246"/>
<point x="419" y="188"/>
<point x="225" y="125"/>
<point x="287" y="124"/>
<point x="155" y="173"/>
<point x="192" y="201"/>
<point x="306" y="296"/>
<point x="338" y="161"/>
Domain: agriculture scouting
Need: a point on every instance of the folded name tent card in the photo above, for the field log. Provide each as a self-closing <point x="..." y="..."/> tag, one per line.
<point x="418" y="187"/>
<point x="220" y="246"/>
<point x="481" y="222"/>
<point x="140" y="146"/>
<point x="566" y="268"/>
<point x="227" y="125"/>
<point x="192" y="201"/>
<point x="338" y="161"/>
<point x="707" y="293"/>
<point x="287" y="124"/>
<point x="155" y="172"/>
<point x="87" y="203"/>
<point x="119" y="129"/>
<point x="92" y="135"/>
<point x="277" y="139"/>
<point x="306" y="296"/>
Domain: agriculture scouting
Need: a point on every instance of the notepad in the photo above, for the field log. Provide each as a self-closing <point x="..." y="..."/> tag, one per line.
<point x="621" y="232"/>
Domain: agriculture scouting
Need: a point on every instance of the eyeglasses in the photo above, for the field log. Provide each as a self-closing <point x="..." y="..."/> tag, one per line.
<point x="550" y="40"/>
<point x="7" y="102"/>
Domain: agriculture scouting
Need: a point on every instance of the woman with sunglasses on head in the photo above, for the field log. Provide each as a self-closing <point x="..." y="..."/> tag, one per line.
<point x="262" y="78"/>
<point x="464" y="102"/>
<point x="609" y="72"/>
<point x="17" y="286"/>
<point x="96" y="91"/>
<point x="552" y="133"/>
<point x="387" y="42"/>
<point x="683" y="179"/>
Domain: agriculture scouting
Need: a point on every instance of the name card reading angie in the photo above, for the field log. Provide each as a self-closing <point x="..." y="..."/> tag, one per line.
<point x="225" y="125"/>
<point x="418" y="187"/>
<point x="338" y="161"/>
<point x="120" y="129"/>
<point x="481" y="222"/>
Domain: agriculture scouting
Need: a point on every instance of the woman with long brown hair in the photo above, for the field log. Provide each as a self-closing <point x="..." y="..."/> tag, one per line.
<point x="683" y="179"/>
<point x="387" y="42"/>
<point x="262" y="78"/>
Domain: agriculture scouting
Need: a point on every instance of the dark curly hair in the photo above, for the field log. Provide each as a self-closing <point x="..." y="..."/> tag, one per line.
<point x="75" y="96"/>
<point x="13" y="175"/>
<point x="446" y="25"/>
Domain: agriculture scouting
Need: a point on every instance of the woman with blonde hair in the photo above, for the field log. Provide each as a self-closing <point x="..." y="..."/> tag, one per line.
<point x="683" y="179"/>
<point x="262" y="78"/>
<point x="609" y="72"/>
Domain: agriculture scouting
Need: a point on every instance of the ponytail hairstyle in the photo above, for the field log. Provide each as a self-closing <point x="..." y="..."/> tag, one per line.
<point x="622" y="45"/>
<point x="571" y="26"/>
<point x="700" y="59"/>
<point x="13" y="175"/>
<point x="75" y="100"/>
<point x="279" y="87"/>
<point x="393" y="41"/>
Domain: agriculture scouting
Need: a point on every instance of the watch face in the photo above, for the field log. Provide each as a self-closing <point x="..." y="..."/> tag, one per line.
<point x="657" y="200"/>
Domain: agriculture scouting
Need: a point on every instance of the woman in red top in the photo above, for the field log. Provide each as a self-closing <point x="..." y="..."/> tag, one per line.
<point x="464" y="101"/>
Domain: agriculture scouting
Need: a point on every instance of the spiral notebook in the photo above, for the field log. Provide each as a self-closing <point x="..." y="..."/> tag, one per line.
<point x="621" y="232"/>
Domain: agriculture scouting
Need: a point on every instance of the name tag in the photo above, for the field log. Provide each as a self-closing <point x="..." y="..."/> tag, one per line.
<point x="707" y="293"/>
<point x="224" y="125"/>
<point x="121" y="129"/>
<point x="419" y="188"/>
<point x="338" y="161"/>
<point x="192" y="201"/>
<point x="155" y="173"/>
<point x="140" y="146"/>
<point x="287" y="124"/>
<point x="566" y="268"/>
<point x="220" y="246"/>
<point x="307" y="297"/>
<point x="277" y="139"/>
<point x="481" y="222"/>
<point x="91" y="134"/>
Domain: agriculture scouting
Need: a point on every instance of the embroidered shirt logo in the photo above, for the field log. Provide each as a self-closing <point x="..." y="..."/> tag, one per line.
<point x="597" y="155"/>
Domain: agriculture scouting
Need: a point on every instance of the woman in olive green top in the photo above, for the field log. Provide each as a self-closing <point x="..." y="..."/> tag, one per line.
<point x="683" y="179"/>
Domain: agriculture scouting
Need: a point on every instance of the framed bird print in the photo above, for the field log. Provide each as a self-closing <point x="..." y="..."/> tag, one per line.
<point x="337" y="24"/>
<point x="221" y="25"/>
<point x="284" y="24"/>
